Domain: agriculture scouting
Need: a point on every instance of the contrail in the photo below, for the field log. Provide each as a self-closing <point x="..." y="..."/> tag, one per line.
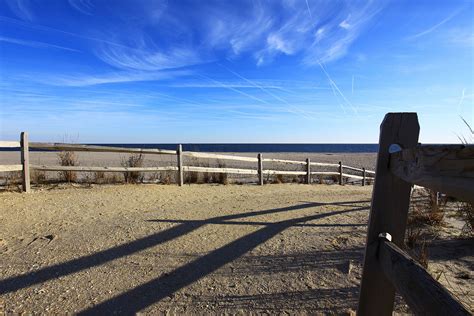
<point x="337" y="88"/>
<point x="293" y="108"/>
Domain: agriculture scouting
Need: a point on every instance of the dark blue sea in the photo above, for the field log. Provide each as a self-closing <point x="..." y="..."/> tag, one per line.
<point x="258" y="148"/>
<point x="264" y="148"/>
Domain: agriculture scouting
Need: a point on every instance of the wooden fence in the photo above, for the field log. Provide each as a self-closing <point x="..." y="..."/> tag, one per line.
<point x="387" y="268"/>
<point x="341" y="172"/>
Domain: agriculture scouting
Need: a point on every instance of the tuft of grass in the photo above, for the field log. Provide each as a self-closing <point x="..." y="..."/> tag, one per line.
<point x="38" y="177"/>
<point x="68" y="158"/>
<point x="133" y="161"/>
<point x="13" y="181"/>
<point x="222" y="178"/>
<point x="277" y="179"/>
<point x="466" y="212"/>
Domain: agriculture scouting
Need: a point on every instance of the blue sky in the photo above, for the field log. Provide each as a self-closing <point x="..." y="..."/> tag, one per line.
<point x="233" y="71"/>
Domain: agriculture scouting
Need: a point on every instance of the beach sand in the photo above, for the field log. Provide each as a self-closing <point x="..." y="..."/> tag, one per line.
<point x="197" y="249"/>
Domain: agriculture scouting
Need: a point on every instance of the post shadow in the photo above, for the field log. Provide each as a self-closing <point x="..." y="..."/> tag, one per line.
<point x="153" y="291"/>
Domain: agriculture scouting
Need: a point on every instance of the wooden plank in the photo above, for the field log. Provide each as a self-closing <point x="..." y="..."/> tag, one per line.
<point x="9" y="168"/>
<point x="364" y="176"/>
<point x="102" y="169"/>
<point x="389" y="211"/>
<point x="218" y="156"/>
<point x="370" y="171"/>
<point x="324" y="164"/>
<point x="347" y="175"/>
<point x="25" y="161"/>
<point x="308" y="171"/>
<point x="285" y="161"/>
<point x="220" y="170"/>
<point x="325" y="173"/>
<point x="444" y="168"/>
<point x="9" y="144"/>
<point x="179" y="153"/>
<point x="353" y="168"/>
<point x="421" y="291"/>
<point x="299" y="173"/>
<point x="95" y="148"/>
<point x="341" y="179"/>
<point x="260" y="169"/>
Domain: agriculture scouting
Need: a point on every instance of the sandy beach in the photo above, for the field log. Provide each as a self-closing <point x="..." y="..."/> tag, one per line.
<point x="197" y="249"/>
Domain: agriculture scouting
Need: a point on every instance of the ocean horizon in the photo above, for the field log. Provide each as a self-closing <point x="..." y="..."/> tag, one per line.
<point x="245" y="147"/>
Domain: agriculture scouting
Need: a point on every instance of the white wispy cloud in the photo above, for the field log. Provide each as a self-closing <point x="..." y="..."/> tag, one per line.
<point x="81" y="80"/>
<point x="83" y="6"/>
<point x="35" y="44"/>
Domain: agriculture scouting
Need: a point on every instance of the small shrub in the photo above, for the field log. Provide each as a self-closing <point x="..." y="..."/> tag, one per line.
<point x="466" y="212"/>
<point x="98" y="177"/>
<point x="38" y="177"/>
<point x="68" y="158"/>
<point x="133" y="161"/>
<point x="222" y="178"/>
<point x="278" y="179"/>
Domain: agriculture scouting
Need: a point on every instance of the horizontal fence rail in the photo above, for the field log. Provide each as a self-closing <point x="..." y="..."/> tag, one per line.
<point x="9" y="168"/>
<point x="443" y="168"/>
<point x="101" y="169"/>
<point x="422" y="292"/>
<point x="8" y="144"/>
<point x="218" y="156"/>
<point x="95" y="148"/>
<point x="180" y="168"/>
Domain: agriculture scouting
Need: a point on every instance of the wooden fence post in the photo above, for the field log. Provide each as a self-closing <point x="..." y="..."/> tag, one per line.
<point x="25" y="161"/>
<point x="179" y="154"/>
<point x="363" y="176"/>
<point x="341" y="180"/>
<point x="260" y="169"/>
<point x="388" y="213"/>
<point x="308" y="171"/>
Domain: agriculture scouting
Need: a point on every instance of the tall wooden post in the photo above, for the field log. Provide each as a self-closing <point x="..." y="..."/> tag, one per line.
<point x="308" y="171"/>
<point x="363" y="176"/>
<point x="260" y="169"/>
<point x="25" y="161"/>
<point x="179" y="154"/>
<point x="388" y="213"/>
<point x="341" y="180"/>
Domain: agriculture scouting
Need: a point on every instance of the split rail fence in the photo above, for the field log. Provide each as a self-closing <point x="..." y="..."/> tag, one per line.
<point x="387" y="268"/>
<point x="25" y="167"/>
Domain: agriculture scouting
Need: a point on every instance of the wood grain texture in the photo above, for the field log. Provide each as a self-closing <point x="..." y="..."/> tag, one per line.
<point x="101" y="169"/>
<point x="94" y="148"/>
<point x="179" y="153"/>
<point x="218" y="156"/>
<point x="308" y="171"/>
<point x="260" y="169"/>
<point x="424" y="295"/>
<point x="389" y="211"/>
<point x="220" y="170"/>
<point x="285" y="161"/>
<point x="25" y="161"/>
<point x="444" y="168"/>
<point x="9" y="168"/>
<point x="9" y="144"/>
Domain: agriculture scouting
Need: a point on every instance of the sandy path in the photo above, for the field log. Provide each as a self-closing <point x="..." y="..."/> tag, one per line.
<point x="195" y="249"/>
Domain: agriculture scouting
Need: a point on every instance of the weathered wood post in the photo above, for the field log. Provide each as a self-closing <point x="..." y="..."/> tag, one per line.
<point x="363" y="176"/>
<point x="260" y="169"/>
<point x="341" y="180"/>
<point x="308" y="171"/>
<point x="179" y="154"/>
<point x="388" y="213"/>
<point x="25" y="161"/>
